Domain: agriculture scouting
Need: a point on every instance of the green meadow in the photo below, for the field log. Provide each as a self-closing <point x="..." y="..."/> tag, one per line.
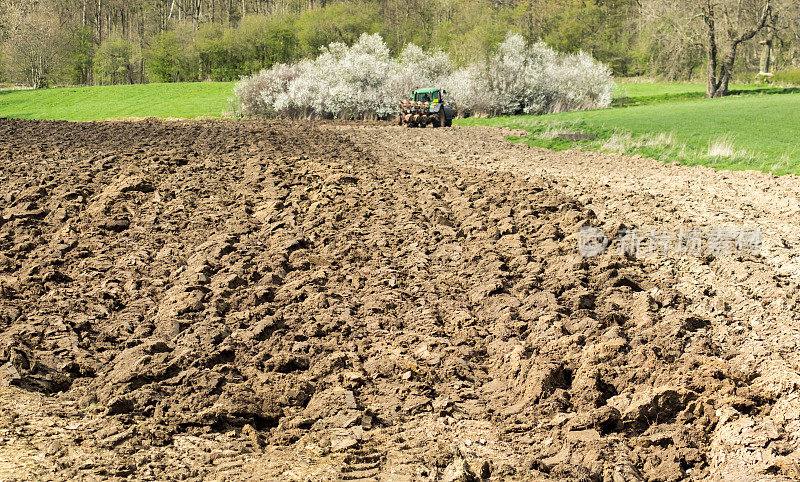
<point x="182" y="100"/>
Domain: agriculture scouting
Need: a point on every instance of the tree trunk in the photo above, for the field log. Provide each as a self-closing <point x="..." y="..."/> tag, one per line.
<point x="717" y="86"/>
<point x="765" y="62"/>
<point x="711" y="60"/>
<point x="99" y="14"/>
<point x="726" y="73"/>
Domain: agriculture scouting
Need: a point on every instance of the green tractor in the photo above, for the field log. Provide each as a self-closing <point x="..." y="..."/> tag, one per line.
<point x="425" y="107"/>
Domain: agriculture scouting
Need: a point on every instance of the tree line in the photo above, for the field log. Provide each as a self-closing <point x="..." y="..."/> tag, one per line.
<point x="75" y="42"/>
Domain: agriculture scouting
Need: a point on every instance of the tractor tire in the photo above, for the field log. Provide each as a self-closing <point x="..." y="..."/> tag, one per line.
<point x="448" y="123"/>
<point x="439" y="121"/>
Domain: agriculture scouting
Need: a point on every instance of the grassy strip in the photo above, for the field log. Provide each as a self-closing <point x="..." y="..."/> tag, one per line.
<point x="633" y="94"/>
<point x="180" y="100"/>
<point x="757" y="132"/>
<point x="626" y="88"/>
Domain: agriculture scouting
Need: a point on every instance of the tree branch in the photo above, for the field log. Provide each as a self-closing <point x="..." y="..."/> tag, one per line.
<point x="762" y="22"/>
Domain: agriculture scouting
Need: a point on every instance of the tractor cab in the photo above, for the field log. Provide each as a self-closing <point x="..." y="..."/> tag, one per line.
<point x="427" y="95"/>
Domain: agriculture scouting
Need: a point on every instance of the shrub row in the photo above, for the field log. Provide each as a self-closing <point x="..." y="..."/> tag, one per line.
<point x="364" y="81"/>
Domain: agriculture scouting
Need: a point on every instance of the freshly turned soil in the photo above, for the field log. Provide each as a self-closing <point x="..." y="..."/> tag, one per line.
<point x="274" y="300"/>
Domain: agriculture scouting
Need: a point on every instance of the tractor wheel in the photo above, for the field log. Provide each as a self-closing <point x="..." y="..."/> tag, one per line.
<point x="448" y="123"/>
<point x="439" y="121"/>
<point x="400" y="120"/>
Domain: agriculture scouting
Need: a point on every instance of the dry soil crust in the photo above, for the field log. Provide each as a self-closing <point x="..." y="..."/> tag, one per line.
<point x="272" y="300"/>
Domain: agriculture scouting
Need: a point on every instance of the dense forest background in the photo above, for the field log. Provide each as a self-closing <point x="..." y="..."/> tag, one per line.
<point x="58" y="42"/>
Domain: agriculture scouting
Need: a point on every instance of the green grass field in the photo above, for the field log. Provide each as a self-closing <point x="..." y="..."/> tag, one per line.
<point x="182" y="100"/>
<point x="653" y="89"/>
<point x="640" y="93"/>
<point x="750" y="131"/>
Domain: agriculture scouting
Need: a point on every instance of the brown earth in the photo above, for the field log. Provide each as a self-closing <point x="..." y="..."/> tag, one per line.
<point x="283" y="301"/>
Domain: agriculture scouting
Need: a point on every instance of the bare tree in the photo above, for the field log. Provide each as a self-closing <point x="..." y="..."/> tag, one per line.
<point x="736" y="22"/>
<point x="781" y="37"/>
<point x="720" y="26"/>
<point x="672" y="37"/>
<point x="31" y="47"/>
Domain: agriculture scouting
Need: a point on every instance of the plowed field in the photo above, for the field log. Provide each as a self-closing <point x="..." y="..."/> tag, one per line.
<point x="228" y="300"/>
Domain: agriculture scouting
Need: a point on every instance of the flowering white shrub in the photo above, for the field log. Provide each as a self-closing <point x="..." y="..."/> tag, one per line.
<point x="532" y="79"/>
<point x="585" y="84"/>
<point x="542" y="79"/>
<point x="354" y="78"/>
<point x="363" y="81"/>
<point x="468" y="91"/>
<point x="418" y="68"/>
<point x="260" y="93"/>
<point x="506" y="76"/>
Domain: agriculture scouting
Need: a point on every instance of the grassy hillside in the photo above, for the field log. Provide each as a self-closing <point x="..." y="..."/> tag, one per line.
<point x="747" y="132"/>
<point x="185" y="100"/>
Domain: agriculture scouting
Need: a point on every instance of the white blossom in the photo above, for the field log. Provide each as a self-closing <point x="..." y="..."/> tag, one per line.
<point x="363" y="81"/>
